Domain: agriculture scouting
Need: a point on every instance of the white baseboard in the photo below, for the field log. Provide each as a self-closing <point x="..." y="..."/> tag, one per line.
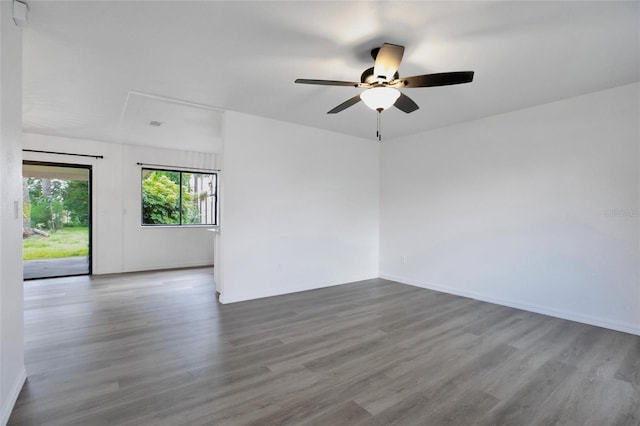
<point x="571" y="316"/>
<point x="7" y="406"/>
<point x="155" y="267"/>
<point x="224" y="298"/>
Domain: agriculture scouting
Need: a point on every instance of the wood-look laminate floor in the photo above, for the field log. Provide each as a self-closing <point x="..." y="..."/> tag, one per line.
<point x="157" y="348"/>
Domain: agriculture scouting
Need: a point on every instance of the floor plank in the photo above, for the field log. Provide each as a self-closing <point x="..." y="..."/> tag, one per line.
<point x="158" y="348"/>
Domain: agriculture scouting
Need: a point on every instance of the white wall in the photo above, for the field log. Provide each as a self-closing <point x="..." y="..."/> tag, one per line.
<point x="146" y="248"/>
<point x="120" y="243"/>
<point x="300" y="208"/>
<point x="536" y="209"/>
<point x="12" y="372"/>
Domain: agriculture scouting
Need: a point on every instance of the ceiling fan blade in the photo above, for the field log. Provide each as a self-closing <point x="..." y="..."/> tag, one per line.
<point x="406" y="104"/>
<point x="388" y="61"/>
<point x="346" y="104"/>
<point x="328" y="82"/>
<point x="439" y="79"/>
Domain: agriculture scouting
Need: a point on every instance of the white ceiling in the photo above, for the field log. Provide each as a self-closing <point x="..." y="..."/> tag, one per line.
<point x="176" y="123"/>
<point x="84" y="60"/>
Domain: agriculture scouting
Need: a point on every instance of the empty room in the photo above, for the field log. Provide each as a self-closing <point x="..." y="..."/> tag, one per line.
<point x="312" y="212"/>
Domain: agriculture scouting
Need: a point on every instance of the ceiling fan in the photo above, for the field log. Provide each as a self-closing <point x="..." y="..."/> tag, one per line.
<point x="382" y="83"/>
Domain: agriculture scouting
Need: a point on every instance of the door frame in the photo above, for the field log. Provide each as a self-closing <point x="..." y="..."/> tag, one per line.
<point x="89" y="168"/>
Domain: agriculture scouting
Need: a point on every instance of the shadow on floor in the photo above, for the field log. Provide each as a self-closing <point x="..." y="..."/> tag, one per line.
<point x="46" y="268"/>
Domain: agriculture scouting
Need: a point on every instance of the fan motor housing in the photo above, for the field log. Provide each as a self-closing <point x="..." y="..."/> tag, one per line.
<point x="368" y="77"/>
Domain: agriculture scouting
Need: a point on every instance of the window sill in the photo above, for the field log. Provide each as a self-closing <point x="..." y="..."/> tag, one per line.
<point x="207" y="227"/>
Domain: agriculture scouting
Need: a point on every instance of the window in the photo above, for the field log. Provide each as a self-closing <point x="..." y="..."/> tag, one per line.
<point x="177" y="198"/>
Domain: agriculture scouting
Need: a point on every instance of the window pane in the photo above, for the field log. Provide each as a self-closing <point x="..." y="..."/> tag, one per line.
<point x="160" y="197"/>
<point x="198" y="198"/>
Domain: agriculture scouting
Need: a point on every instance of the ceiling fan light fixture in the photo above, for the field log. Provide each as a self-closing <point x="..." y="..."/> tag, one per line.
<point x="380" y="98"/>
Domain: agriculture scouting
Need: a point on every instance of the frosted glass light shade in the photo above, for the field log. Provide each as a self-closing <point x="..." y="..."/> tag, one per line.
<point x="378" y="98"/>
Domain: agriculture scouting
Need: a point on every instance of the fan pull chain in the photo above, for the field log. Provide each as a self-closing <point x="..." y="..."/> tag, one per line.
<point x="379" y="125"/>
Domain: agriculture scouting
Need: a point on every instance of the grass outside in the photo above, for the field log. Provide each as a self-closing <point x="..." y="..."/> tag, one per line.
<point x="66" y="242"/>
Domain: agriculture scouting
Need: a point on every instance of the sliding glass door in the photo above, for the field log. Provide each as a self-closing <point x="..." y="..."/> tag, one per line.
<point x="56" y="227"/>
